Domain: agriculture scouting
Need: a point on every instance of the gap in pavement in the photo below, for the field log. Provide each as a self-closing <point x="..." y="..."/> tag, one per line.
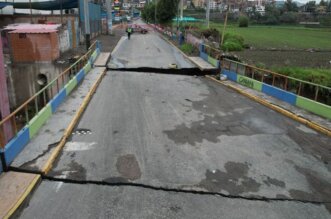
<point x="175" y="71"/>
<point x="164" y="189"/>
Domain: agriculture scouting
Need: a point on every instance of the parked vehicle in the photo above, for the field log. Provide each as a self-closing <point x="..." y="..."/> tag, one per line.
<point x="138" y="29"/>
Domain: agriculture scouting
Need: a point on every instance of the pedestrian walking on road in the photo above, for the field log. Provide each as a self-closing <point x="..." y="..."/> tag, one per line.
<point x="129" y="31"/>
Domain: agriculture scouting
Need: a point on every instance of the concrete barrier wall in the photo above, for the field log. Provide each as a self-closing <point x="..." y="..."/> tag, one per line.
<point x="87" y="67"/>
<point x="214" y="62"/>
<point x="279" y="94"/>
<point x="248" y="82"/>
<point x="58" y="99"/>
<point x="313" y="106"/>
<point x="70" y="85"/>
<point x="291" y="98"/>
<point x="22" y="138"/>
<point x="80" y="76"/>
<point x="39" y="120"/>
<point x="16" y="145"/>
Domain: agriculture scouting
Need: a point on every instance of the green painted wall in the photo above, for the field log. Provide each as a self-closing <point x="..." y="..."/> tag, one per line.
<point x="70" y="85"/>
<point x="94" y="55"/>
<point x="248" y="82"/>
<point x="37" y="122"/>
<point x="315" y="107"/>
<point x="212" y="61"/>
<point x="87" y="68"/>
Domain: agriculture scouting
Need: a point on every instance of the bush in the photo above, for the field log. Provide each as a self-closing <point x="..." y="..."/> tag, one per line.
<point x="271" y="20"/>
<point x="233" y="42"/>
<point x="326" y="21"/>
<point x="211" y="32"/>
<point x="243" y="21"/>
<point x="234" y="37"/>
<point x="231" y="46"/>
<point x="289" y="18"/>
<point x="187" y="48"/>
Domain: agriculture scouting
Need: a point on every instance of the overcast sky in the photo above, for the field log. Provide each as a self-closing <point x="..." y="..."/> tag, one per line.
<point x="301" y="1"/>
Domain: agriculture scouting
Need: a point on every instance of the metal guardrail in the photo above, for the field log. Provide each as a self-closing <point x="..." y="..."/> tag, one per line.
<point x="316" y="92"/>
<point x="23" y="114"/>
<point x="211" y="51"/>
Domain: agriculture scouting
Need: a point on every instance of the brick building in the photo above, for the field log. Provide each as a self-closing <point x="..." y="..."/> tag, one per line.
<point x="34" y="45"/>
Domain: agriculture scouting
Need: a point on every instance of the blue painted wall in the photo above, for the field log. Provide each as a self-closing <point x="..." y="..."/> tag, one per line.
<point x="16" y="145"/>
<point x="80" y="76"/>
<point x="231" y="75"/>
<point x="279" y="94"/>
<point x="58" y="99"/>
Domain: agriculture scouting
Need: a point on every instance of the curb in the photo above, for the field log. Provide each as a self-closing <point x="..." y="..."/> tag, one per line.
<point x="26" y="193"/>
<point x="313" y="125"/>
<point x="72" y="125"/>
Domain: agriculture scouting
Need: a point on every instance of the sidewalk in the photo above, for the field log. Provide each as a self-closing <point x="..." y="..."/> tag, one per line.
<point x="297" y="111"/>
<point x="15" y="187"/>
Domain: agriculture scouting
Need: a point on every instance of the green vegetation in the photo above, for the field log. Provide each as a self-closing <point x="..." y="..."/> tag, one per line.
<point x="187" y="48"/>
<point x="166" y="11"/>
<point x="233" y="42"/>
<point x="316" y="75"/>
<point x="283" y="37"/>
<point x="243" y="21"/>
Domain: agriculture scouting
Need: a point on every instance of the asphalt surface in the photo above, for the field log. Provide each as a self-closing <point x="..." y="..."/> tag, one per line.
<point x="187" y="134"/>
<point x="146" y="50"/>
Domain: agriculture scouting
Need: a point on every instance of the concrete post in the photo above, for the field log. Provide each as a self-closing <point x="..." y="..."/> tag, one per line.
<point x="109" y="16"/>
<point x="87" y="24"/>
<point x="208" y="13"/>
<point x="4" y="101"/>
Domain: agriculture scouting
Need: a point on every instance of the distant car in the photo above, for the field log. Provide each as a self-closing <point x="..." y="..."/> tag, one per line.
<point x="128" y="18"/>
<point x="138" y="29"/>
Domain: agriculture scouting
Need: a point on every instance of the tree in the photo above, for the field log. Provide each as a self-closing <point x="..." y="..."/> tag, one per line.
<point x="166" y="10"/>
<point x="310" y="6"/>
<point x="148" y="13"/>
<point x="290" y="6"/>
<point x="272" y="14"/>
<point x="323" y="3"/>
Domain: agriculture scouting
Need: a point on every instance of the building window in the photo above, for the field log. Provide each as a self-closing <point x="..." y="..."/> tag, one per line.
<point x="22" y="35"/>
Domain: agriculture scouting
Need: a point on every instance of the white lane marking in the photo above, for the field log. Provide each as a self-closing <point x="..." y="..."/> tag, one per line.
<point x="79" y="146"/>
<point x="59" y="185"/>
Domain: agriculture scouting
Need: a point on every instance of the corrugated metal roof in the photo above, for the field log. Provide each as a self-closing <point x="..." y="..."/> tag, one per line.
<point x="26" y="26"/>
<point x="32" y="31"/>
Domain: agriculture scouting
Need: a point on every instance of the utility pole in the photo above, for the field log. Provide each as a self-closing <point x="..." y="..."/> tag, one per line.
<point x="224" y="26"/>
<point x="4" y="101"/>
<point x="61" y="11"/>
<point x="87" y="24"/>
<point x="30" y="11"/>
<point x="208" y="13"/>
<point x="181" y="9"/>
<point x="109" y="16"/>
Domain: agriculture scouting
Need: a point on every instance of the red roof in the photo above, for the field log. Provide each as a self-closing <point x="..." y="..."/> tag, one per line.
<point x="33" y="31"/>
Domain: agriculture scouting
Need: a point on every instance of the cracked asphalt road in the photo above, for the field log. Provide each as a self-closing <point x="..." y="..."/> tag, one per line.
<point x="189" y="134"/>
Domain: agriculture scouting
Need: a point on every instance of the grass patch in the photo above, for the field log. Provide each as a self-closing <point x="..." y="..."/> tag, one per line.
<point x="283" y="37"/>
<point x="316" y="75"/>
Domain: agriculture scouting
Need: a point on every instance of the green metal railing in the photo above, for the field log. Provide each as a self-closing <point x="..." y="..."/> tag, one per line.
<point x="24" y="113"/>
<point x="310" y="90"/>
